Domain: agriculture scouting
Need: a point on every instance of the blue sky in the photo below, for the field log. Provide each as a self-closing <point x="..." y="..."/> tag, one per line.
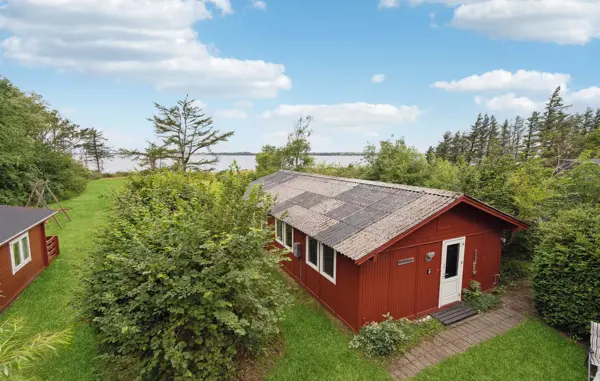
<point x="365" y="69"/>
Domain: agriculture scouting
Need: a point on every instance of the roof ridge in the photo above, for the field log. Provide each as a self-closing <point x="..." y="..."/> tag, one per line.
<point x="410" y="188"/>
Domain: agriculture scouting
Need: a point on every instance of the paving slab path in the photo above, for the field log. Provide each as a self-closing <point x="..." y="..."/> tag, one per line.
<point x="515" y="306"/>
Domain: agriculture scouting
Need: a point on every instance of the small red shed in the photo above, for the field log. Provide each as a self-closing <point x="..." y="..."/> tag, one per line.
<point x="365" y="248"/>
<point x="25" y="250"/>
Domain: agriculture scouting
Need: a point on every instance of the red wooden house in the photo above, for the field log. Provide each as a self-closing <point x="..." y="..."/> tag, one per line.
<point x="364" y="248"/>
<point x="25" y="250"/>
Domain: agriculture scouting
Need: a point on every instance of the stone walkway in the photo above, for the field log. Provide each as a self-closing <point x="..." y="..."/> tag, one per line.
<point x="457" y="338"/>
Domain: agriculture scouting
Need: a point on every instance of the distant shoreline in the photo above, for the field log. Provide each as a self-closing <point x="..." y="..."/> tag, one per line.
<point x="311" y="154"/>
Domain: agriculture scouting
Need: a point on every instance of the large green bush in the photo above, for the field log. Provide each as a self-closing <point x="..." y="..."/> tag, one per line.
<point x="567" y="270"/>
<point x="181" y="281"/>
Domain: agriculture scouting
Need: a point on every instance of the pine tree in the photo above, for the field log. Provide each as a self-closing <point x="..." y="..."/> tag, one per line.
<point x="483" y="138"/>
<point x="492" y="137"/>
<point x="531" y="141"/>
<point x="516" y="136"/>
<point x="443" y="149"/>
<point x="596" y="120"/>
<point x="555" y="129"/>
<point x="95" y="148"/>
<point x="505" y="137"/>
<point x="186" y="131"/>
<point x="473" y="138"/>
<point x="430" y="155"/>
<point x="456" y="147"/>
<point x="588" y="121"/>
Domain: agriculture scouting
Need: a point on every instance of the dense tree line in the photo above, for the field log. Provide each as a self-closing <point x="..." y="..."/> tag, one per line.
<point x="551" y="135"/>
<point x="36" y="142"/>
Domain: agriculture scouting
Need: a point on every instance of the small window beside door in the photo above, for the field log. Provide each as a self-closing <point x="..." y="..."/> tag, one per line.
<point x="20" y="252"/>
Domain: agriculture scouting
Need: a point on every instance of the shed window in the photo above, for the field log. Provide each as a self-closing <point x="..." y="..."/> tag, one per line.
<point x="289" y="235"/>
<point x="279" y="230"/>
<point x="328" y="259"/>
<point x="312" y="257"/>
<point x="20" y="252"/>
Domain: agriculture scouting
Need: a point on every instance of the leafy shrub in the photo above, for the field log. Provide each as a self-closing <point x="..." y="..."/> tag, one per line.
<point x="393" y="336"/>
<point x="566" y="279"/>
<point x="479" y="300"/>
<point x="181" y="278"/>
<point x="512" y="271"/>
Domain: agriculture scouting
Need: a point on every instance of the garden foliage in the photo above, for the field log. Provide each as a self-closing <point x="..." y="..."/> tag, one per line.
<point x="479" y="300"/>
<point x="182" y="280"/>
<point x="567" y="270"/>
<point x="393" y="336"/>
<point x="35" y="143"/>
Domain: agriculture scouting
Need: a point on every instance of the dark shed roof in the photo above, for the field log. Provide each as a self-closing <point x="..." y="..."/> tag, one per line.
<point x="356" y="217"/>
<point x="15" y="220"/>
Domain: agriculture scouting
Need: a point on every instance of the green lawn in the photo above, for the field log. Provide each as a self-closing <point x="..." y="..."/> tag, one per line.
<point x="46" y="305"/>
<point x="529" y="352"/>
<point x="316" y="348"/>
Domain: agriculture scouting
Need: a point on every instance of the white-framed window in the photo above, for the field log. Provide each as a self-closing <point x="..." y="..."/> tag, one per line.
<point x="284" y="233"/>
<point x="279" y="230"/>
<point x="328" y="262"/>
<point x="322" y="258"/>
<point x="20" y="252"/>
<point x="312" y="252"/>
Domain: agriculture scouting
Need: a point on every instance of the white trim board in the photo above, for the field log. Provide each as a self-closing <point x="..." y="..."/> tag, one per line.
<point x="451" y="288"/>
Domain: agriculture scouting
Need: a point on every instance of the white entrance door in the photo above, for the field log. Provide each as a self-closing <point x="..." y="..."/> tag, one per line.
<point x="453" y="255"/>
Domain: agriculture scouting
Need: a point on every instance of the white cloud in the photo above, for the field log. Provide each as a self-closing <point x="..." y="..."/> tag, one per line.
<point x="362" y="116"/>
<point x="231" y="114"/>
<point x="259" y="4"/>
<point x="505" y="80"/>
<point x="244" y="105"/>
<point x="432" y="22"/>
<point x="378" y="78"/>
<point x="556" y="21"/>
<point x="388" y="4"/>
<point x="509" y="102"/>
<point x="147" y="41"/>
<point x="589" y="96"/>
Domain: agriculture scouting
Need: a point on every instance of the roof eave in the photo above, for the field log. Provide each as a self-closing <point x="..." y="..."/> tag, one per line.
<point x="518" y="224"/>
<point x="55" y="212"/>
<point x="391" y="242"/>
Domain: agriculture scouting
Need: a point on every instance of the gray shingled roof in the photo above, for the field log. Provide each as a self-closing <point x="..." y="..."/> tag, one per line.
<point x="352" y="216"/>
<point x="16" y="219"/>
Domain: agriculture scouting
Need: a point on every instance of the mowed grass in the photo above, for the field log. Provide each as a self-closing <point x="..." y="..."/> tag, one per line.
<point x="316" y="348"/>
<point x="47" y="304"/>
<point x="530" y="352"/>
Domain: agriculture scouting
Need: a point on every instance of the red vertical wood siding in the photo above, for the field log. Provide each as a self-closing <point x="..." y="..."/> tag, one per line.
<point x="12" y="285"/>
<point x="410" y="290"/>
<point x="402" y="279"/>
<point x="428" y="279"/>
<point x="374" y="288"/>
<point x="341" y="297"/>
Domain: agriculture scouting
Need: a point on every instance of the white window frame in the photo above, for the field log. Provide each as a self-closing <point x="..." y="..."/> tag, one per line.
<point x="283" y="240"/>
<point x="321" y="256"/>
<point x="19" y="241"/>
<point x="314" y="266"/>
<point x="282" y="231"/>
